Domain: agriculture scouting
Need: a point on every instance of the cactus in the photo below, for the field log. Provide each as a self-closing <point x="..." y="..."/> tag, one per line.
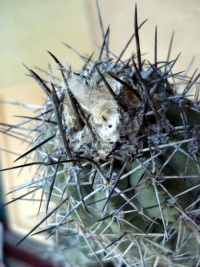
<point x="117" y="156"/>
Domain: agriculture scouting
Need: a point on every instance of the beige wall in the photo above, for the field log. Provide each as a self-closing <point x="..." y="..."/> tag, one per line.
<point x="29" y="28"/>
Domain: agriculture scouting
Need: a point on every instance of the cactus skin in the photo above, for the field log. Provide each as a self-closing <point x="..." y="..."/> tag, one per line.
<point x="118" y="158"/>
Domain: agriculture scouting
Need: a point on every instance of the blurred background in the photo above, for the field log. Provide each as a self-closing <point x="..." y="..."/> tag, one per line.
<point x="29" y="28"/>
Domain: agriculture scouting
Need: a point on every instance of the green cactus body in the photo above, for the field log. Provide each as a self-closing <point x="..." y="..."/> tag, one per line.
<point x="120" y="163"/>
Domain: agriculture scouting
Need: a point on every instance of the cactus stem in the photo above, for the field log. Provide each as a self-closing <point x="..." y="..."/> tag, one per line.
<point x="187" y="154"/>
<point x="137" y="242"/>
<point x="93" y="252"/>
<point x="179" y="208"/>
<point x="73" y="209"/>
<point x="121" y="236"/>
<point x="132" y="196"/>
<point x="190" y="189"/>
<point x="131" y="203"/>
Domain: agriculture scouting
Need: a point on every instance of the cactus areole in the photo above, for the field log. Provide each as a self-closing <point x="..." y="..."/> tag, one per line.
<point x="117" y="151"/>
